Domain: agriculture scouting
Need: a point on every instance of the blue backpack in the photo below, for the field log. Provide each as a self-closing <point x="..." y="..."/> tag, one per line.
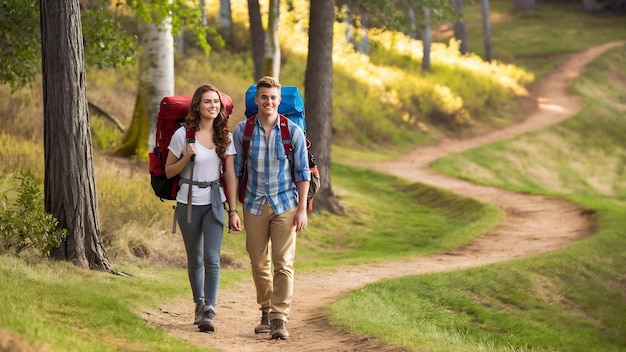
<point x="291" y="107"/>
<point x="291" y="104"/>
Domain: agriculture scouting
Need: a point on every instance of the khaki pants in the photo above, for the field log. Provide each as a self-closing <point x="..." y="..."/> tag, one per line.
<point x="276" y="233"/>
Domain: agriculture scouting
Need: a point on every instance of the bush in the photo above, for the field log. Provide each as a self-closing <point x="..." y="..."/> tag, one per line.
<point x="23" y="221"/>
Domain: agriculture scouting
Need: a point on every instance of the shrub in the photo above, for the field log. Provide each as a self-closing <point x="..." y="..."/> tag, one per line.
<point x="23" y="221"/>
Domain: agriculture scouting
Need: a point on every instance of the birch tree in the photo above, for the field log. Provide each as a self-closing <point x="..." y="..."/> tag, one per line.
<point x="156" y="80"/>
<point x="271" y="52"/>
<point x="226" y="20"/>
<point x="157" y="25"/>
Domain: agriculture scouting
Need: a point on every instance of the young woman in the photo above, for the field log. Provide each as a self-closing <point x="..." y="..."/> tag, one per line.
<point x="199" y="151"/>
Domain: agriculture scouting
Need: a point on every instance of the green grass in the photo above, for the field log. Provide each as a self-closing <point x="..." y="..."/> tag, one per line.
<point x="428" y="221"/>
<point x="569" y="300"/>
<point x="540" y="39"/>
<point x="63" y="308"/>
<point x="574" y="297"/>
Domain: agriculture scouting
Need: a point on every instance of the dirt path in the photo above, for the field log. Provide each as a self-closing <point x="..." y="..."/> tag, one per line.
<point x="534" y="224"/>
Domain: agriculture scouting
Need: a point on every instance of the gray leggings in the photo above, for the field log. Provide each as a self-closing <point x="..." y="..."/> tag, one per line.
<point x="203" y="241"/>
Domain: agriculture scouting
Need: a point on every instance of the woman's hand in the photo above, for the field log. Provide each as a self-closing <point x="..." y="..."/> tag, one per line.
<point x="234" y="223"/>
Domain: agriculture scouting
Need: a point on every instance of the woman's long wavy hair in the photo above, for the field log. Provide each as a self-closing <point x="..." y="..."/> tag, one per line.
<point x="220" y="123"/>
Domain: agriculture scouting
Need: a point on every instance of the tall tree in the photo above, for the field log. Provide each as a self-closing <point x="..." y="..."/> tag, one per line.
<point x="271" y="52"/>
<point x="460" y="33"/>
<point x="226" y="20"/>
<point x="346" y="14"/>
<point x="70" y="192"/>
<point x="318" y="96"/>
<point x="257" y="36"/>
<point x="156" y="80"/>
<point x="524" y="4"/>
<point x="427" y="39"/>
<point x="157" y="25"/>
<point x="486" y="30"/>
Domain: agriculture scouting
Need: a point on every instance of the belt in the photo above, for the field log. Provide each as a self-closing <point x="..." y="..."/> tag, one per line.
<point x="216" y="197"/>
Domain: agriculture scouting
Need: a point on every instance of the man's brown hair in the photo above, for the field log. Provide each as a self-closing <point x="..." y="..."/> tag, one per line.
<point x="268" y="82"/>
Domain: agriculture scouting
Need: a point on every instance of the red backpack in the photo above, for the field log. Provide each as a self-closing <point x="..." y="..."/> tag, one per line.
<point x="172" y="113"/>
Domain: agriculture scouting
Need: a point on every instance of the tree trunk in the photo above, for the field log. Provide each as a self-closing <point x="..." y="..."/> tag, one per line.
<point x="318" y="94"/>
<point x="70" y="192"/>
<point x="460" y="33"/>
<point x="271" y="53"/>
<point x="156" y="80"/>
<point x="592" y="5"/>
<point x="486" y="29"/>
<point x="203" y="20"/>
<point x="226" y="21"/>
<point x="414" y="27"/>
<point x="350" y="26"/>
<point x="427" y="40"/>
<point x="363" y="44"/>
<point x="257" y="36"/>
<point x="523" y="4"/>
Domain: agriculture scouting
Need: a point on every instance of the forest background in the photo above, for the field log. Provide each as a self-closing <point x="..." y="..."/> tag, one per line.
<point x="135" y="229"/>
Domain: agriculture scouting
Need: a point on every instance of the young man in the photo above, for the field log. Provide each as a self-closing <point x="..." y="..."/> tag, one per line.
<point x="274" y="205"/>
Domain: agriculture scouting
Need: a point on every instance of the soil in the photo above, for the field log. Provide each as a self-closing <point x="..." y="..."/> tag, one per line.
<point x="533" y="225"/>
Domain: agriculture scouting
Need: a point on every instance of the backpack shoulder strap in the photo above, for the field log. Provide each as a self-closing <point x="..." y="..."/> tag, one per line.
<point x="286" y="137"/>
<point x="247" y="134"/>
<point x="247" y="137"/>
<point x="190" y="135"/>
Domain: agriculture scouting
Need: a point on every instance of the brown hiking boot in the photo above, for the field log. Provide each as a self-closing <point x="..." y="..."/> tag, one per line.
<point x="278" y="329"/>
<point x="198" y="313"/>
<point x="264" y="327"/>
<point x="206" y="324"/>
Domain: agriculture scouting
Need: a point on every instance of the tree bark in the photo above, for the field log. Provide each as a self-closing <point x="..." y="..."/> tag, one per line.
<point x="226" y="21"/>
<point x="523" y="4"/>
<point x="70" y="192"/>
<point x="271" y="53"/>
<point x="460" y="33"/>
<point x="318" y="98"/>
<point x="427" y="40"/>
<point x="257" y="36"/>
<point x="156" y="80"/>
<point x="486" y="29"/>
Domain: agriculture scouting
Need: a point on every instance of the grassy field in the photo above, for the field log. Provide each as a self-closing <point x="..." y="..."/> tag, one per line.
<point x="569" y="300"/>
<point x="553" y="302"/>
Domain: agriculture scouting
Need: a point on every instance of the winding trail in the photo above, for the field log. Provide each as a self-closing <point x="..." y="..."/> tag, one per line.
<point x="534" y="224"/>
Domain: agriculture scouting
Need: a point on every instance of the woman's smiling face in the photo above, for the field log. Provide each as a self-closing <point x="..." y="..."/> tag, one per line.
<point x="209" y="106"/>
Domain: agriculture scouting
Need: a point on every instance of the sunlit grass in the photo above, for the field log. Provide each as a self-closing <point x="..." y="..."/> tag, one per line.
<point x="539" y="40"/>
<point x="63" y="308"/>
<point x="60" y="307"/>
<point x="584" y="155"/>
<point x="568" y="300"/>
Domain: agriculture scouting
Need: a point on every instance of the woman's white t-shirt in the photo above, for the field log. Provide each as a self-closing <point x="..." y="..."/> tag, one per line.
<point x="207" y="168"/>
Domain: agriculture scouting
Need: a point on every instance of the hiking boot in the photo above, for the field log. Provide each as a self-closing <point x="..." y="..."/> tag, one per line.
<point x="198" y="313"/>
<point x="206" y="324"/>
<point x="278" y="329"/>
<point x="265" y="324"/>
